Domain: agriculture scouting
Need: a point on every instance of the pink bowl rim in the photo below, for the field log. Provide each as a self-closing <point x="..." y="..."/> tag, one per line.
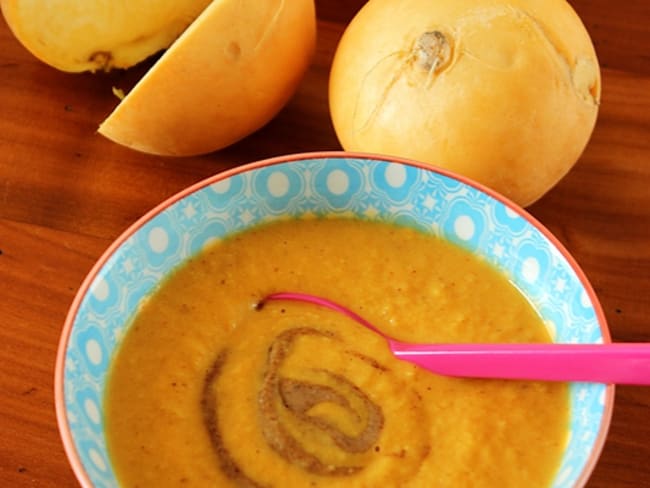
<point x="59" y="372"/>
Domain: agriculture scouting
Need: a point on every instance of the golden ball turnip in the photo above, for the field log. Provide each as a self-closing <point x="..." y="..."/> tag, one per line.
<point x="225" y="77"/>
<point x="92" y="35"/>
<point x="505" y="92"/>
<point x="228" y="68"/>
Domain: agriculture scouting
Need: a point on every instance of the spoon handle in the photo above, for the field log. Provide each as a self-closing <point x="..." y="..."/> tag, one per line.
<point x="622" y="363"/>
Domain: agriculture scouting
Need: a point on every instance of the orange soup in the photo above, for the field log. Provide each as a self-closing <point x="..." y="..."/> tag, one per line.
<point x="209" y="389"/>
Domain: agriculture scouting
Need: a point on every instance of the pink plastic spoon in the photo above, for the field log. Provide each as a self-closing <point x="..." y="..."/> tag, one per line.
<point x="621" y="363"/>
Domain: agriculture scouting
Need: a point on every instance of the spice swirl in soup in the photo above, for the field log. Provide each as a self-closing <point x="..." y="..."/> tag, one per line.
<point x="207" y="389"/>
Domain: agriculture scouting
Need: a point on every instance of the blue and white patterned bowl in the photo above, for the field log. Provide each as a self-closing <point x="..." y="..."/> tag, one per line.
<point x="368" y="187"/>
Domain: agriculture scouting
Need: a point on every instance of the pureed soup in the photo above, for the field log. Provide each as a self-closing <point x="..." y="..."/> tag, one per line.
<point x="209" y="389"/>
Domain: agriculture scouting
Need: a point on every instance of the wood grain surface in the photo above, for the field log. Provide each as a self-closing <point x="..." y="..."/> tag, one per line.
<point x="66" y="193"/>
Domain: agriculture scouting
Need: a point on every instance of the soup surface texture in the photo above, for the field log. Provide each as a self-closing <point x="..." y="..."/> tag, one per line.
<point x="208" y="389"/>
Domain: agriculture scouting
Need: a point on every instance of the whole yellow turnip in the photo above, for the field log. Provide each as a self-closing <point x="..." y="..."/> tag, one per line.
<point x="505" y="92"/>
<point x="91" y="35"/>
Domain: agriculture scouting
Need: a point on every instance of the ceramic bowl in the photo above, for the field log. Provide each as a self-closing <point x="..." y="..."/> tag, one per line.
<point x="370" y="187"/>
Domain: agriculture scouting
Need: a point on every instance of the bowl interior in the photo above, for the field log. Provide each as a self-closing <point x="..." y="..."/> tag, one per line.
<point x="364" y="187"/>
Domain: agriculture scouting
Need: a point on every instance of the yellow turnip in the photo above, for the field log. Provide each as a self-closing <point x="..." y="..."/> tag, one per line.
<point x="505" y="92"/>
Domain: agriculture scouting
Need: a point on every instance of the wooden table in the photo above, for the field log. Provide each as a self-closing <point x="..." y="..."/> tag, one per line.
<point x="66" y="193"/>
